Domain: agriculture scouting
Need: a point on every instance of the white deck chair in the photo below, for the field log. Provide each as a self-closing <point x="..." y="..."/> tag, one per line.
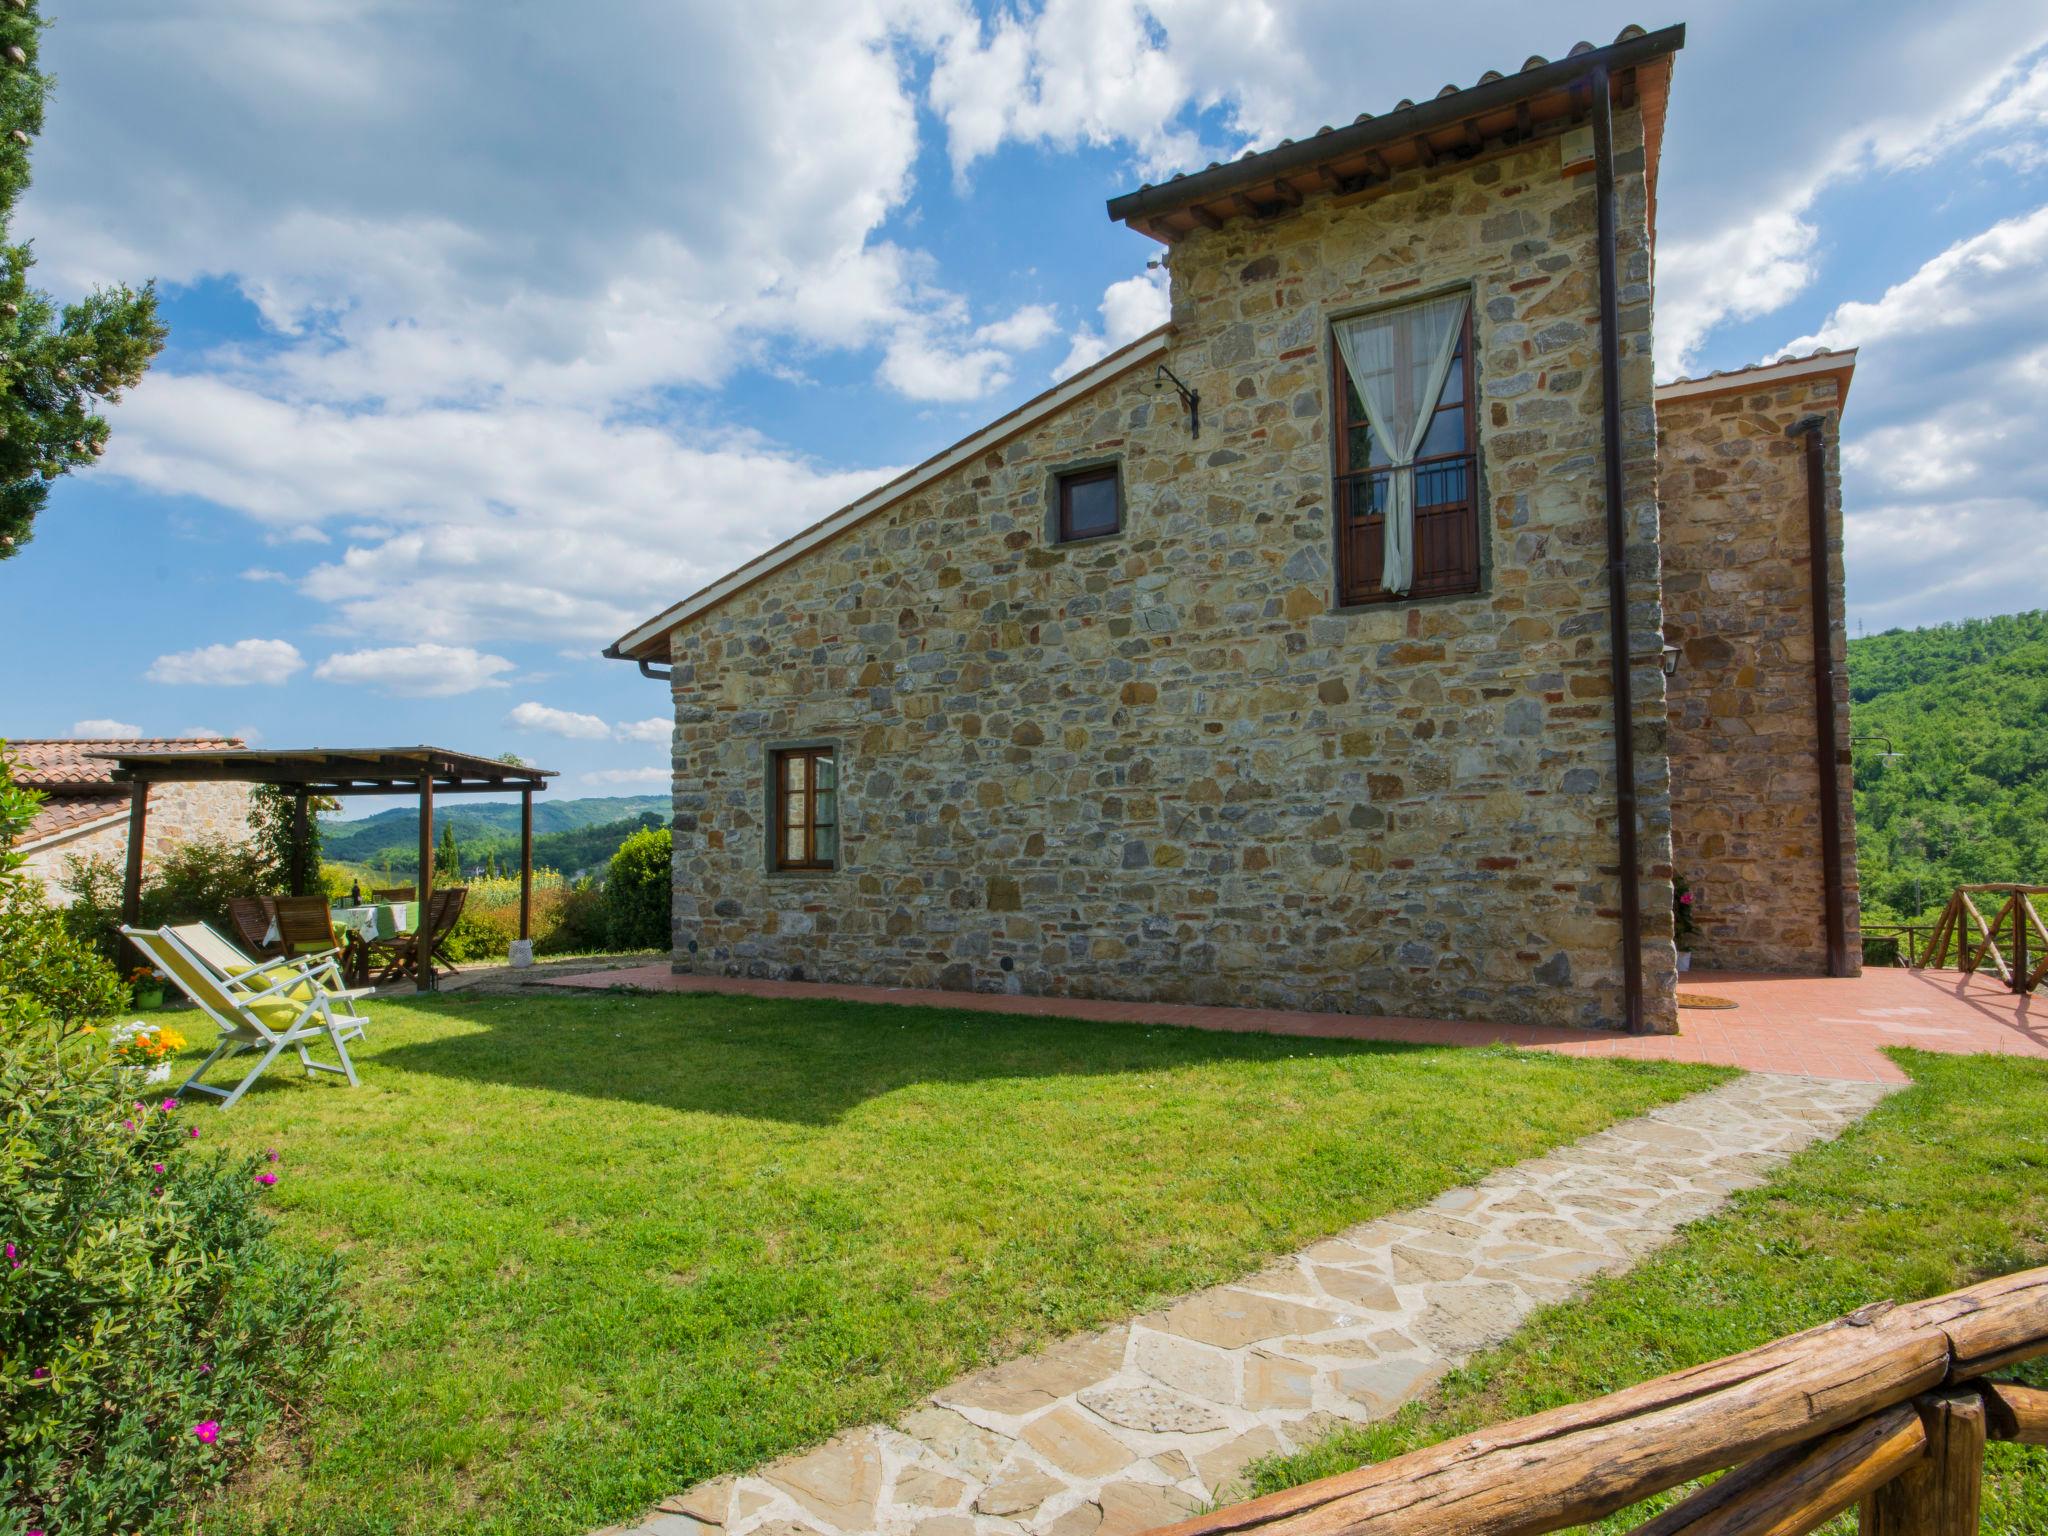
<point x="281" y="1009"/>
<point x="230" y="964"/>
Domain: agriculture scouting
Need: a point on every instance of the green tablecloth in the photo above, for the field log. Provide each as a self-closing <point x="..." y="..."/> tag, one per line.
<point x="381" y="920"/>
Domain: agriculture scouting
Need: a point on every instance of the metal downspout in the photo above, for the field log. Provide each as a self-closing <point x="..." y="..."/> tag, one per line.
<point x="1617" y="562"/>
<point x="1827" y="743"/>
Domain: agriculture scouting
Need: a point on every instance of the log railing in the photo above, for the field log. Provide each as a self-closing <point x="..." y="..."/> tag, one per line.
<point x="2014" y="939"/>
<point x="1889" y="1408"/>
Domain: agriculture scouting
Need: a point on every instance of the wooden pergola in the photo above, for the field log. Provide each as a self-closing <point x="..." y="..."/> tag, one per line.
<point x="338" y="771"/>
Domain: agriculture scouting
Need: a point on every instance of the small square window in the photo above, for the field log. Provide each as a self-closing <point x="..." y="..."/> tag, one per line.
<point x="1091" y="504"/>
<point x="806" y="809"/>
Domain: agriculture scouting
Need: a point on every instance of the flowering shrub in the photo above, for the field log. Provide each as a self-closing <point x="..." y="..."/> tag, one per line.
<point x="145" y="1045"/>
<point x="150" y="1328"/>
<point x="1682" y="926"/>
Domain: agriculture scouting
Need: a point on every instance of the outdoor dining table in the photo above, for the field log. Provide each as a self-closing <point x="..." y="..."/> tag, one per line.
<point x="377" y="920"/>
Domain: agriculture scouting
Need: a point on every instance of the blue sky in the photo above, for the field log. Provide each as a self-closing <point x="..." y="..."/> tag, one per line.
<point x="497" y="327"/>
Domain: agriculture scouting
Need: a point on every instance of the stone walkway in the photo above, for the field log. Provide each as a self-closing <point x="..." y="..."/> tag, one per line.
<point x="1114" y="1433"/>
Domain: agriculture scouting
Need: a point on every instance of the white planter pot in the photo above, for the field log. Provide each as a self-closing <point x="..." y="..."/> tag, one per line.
<point x="1684" y="961"/>
<point x="522" y="953"/>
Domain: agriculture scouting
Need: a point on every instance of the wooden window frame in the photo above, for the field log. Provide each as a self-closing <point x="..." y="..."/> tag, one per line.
<point x="1063" y="528"/>
<point x="1351" y="592"/>
<point x="806" y="858"/>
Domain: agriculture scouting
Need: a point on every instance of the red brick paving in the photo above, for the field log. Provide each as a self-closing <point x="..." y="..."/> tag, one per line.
<point x="1813" y="1025"/>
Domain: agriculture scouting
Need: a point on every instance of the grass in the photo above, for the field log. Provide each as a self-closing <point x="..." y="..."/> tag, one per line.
<point x="604" y="1246"/>
<point x="1944" y="1184"/>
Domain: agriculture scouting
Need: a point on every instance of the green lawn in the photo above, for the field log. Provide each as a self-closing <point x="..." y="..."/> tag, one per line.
<point x="1943" y="1185"/>
<point x="603" y="1246"/>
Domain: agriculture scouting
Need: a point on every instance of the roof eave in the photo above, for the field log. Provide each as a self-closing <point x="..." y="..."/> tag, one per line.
<point x="1356" y="139"/>
<point x="642" y="642"/>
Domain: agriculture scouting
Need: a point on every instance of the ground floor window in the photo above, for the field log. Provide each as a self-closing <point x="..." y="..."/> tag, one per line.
<point x="806" y="808"/>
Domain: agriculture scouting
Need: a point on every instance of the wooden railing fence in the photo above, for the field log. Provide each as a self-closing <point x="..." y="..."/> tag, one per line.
<point x="2023" y="961"/>
<point x="1889" y="1408"/>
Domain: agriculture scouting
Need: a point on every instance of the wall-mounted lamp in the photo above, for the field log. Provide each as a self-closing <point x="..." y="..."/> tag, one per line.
<point x="1669" y="661"/>
<point x="1890" y="754"/>
<point x="1191" y="399"/>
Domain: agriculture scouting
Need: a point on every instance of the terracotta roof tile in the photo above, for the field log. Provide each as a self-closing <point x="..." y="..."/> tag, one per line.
<point x="80" y="787"/>
<point x="68" y="763"/>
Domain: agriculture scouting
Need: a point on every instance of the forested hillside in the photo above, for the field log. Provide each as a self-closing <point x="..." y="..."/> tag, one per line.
<point x="569" y="835"/>
<point x="1965" y="706"/>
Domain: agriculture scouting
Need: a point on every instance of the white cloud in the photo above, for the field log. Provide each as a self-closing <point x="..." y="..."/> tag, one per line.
<point x="239" y="665"/>
<point x="1129" y="309"/>
<point x="1942" y="456"/>
<point x="264" y="573"/>
<point x="107" y="730"/>
<point x="425" y="671"/>
<point x="628" y="776"/>
<point x="657" y="728"/>
<point x="558" y="722"/>
<point x="1028" y="327"/>
<point x="927" y="367"/>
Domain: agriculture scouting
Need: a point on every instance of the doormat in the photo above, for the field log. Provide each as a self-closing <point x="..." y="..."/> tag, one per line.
<point x="1704" y="1000"/>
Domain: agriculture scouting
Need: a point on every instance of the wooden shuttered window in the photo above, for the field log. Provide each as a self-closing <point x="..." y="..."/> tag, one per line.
<point x="806" y="808"/>
<point x="1446" y="471"/>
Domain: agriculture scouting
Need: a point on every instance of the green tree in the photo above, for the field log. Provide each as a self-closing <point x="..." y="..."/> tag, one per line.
<point x="56" y="365"/>
<point x="638" y="891"/>
<point x="447" y="857"/>
<point x="271" y="811"/>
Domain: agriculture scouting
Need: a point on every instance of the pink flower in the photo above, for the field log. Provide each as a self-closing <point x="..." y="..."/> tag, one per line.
<point x="271" y="1154"/>
<point x="10" y="1250"/>
<point x="193" y="1131"/>
<point x="156" y="1167"/>
<point x="206" y="1431"/>
<point x="205" y="1367"/>
<point x="139" y="1104"/>
<point x="39" y="1373"/>
<point x="266" y="1178"/>
<point x="1685" y="900"/>
<point x="169" y="1105"/>
<point x="129" y="1125"/>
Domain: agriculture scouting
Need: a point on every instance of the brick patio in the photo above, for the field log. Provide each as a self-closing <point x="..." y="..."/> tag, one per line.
<point x="1815" y="1026"/>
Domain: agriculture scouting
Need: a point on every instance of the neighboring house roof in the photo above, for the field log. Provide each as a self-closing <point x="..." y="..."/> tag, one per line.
<point x="1821" y="363"/>
<point x="80" y="785"/>
<point x="643" y="642"/>
<point x="1454" y="125"/>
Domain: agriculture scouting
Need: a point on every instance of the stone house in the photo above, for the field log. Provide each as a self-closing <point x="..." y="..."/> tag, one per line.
<point x="85" y="812"/>
<point x="1271" y="659"/>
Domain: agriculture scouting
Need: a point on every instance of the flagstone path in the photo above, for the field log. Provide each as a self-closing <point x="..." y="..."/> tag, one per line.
<point x="1112" y="1433"/>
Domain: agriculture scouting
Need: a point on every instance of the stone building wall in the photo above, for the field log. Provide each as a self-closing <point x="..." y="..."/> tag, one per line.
<point x="178" y="814"/>
<point x="1164" y="765"/>
<point x="1737" y="602"/>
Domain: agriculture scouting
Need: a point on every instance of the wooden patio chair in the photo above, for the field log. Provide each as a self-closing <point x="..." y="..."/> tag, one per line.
<point x="400" y="953"/>
<point x="265" y="1014"/>
<point x="252" y="917"/>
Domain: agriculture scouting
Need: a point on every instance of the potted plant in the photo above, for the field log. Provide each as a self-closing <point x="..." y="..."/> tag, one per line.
<point x="145" y="987"/>
<point x="1682" y="927"/>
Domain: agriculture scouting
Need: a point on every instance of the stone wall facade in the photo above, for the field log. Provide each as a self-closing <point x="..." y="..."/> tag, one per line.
<point x="1746" y="819"/>
<point x="178" y="814"/>
<point x="1165" y="764"/>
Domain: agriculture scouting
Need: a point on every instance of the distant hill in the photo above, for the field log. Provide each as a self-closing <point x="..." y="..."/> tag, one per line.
<point x="1966" y="802"/>
<point x="567" y="834"/>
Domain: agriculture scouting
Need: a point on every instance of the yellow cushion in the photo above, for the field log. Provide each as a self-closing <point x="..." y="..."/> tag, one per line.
<point x="300" y="992"/>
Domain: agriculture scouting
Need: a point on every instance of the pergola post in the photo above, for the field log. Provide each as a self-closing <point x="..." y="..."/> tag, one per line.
<point x="131" y="880"/>
<point x="423" y="935"/>
<point x="526" y="863"/>
<point x="298" y="858"/>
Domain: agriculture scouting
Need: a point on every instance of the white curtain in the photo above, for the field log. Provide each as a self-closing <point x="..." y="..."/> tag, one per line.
<point x="1398" y="360"/>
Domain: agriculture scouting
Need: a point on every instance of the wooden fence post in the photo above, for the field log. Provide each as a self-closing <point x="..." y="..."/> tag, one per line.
<point x="1941" y="1495"/>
